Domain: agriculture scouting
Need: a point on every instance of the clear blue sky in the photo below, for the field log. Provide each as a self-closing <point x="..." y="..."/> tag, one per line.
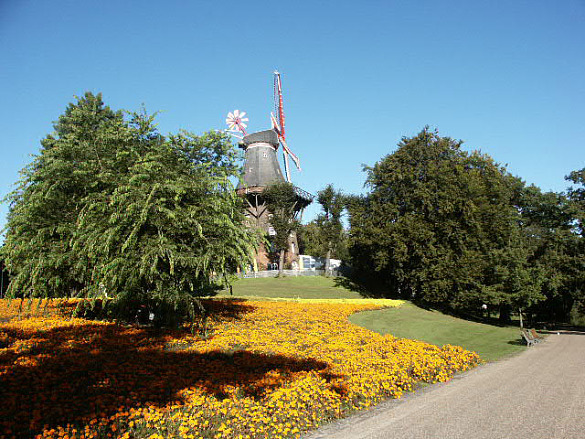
<point x="507" y="77"/>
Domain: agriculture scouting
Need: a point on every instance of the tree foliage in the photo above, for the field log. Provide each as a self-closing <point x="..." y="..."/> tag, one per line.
<point x="312" y="241"/>
<point x="576" y="195"/>
<point x="325" y="236"/>
<point x="282" y="203"/>
<point x="441" y="225"/>
<point x="329" y="222"/>
<point x="110" y="206"/>
<point x="576" y="274"/>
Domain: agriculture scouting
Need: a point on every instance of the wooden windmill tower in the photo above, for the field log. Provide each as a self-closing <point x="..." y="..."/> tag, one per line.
<point x="261" y="168"/>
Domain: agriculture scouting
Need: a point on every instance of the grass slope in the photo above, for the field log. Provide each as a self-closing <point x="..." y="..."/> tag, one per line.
<point x="409" y="321"/>
<point x="303" y="287"/>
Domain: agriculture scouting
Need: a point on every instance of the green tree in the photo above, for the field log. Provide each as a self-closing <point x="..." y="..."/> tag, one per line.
<point x="333" y="205"/>
<point x="112" y="207"/>
<point x="45" y="206"/>
<point x="282" y="202"/>
<point x="440" y="225"/>
<point x="546" y="225"/>
<point x="576" y="196"/>
<point x="312" y="241"/>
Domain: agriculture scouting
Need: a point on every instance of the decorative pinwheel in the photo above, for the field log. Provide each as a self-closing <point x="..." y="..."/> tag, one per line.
<point x="236" y="121"/>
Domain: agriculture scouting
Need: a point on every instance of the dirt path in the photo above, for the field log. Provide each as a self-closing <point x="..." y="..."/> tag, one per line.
<point x="539" y="394"/>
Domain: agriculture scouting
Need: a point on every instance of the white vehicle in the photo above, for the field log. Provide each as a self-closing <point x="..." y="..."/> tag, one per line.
<point x="308" y="262"/>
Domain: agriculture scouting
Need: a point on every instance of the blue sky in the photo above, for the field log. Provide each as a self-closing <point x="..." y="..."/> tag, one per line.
<point x="507" y="77"/>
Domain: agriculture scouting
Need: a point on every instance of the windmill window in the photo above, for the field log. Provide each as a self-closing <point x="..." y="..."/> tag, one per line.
<point x="265" y="155"/>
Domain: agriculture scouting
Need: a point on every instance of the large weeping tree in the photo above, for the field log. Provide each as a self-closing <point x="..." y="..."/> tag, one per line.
<point x="112" y="208"/>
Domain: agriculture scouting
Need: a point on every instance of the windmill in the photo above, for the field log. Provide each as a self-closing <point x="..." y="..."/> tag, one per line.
<point x="261" y="168"/>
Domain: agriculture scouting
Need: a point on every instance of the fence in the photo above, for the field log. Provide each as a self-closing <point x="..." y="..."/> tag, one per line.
<point x="274" y="273"/>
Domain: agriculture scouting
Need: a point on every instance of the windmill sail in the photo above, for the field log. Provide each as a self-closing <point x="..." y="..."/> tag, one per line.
<point x="278" y="124"/>
<point x="294" y="158"/>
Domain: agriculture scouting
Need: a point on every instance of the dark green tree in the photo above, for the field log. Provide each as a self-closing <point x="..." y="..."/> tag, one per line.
<point x="546" y="226"/>
<point x="282" y="202"/>
<point x="111" y="207"/>
<point x="440" y="225"/>
<point x="576" y="196"/>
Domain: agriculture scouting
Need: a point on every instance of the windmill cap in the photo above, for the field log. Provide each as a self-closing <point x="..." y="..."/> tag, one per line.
<point x="268" y="136"/>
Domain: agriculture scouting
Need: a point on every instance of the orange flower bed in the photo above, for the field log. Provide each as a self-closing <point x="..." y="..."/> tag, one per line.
<point x="267" y="370"/>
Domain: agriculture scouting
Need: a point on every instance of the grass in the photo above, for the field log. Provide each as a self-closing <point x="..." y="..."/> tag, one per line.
<point x="301" y="287"/>
<point x="409" y="321"/>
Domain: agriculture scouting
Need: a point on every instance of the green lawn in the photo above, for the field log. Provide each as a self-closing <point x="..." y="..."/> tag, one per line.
<point x="410" y="321"/>
<point x="303" y="287"/>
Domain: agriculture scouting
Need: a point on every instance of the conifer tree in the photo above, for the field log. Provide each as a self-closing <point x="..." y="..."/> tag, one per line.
<point x="111" y="207"/>
<point x="53" y="188"/>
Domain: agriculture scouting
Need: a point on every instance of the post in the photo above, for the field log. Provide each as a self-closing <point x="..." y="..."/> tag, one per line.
<point x="521" y="323"/>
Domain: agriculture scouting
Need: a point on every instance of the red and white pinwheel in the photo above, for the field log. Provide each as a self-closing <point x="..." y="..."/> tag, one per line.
<point x="236" y="121"/>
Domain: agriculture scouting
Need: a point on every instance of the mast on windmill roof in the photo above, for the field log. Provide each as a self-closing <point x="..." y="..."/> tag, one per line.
<point x="278" y="125"/>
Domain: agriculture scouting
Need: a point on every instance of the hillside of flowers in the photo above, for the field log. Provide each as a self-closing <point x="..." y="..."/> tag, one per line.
<point x="261" y="369"/>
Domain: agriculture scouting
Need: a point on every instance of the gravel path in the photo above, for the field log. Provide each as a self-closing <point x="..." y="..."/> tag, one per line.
<point x="539" y="394"/>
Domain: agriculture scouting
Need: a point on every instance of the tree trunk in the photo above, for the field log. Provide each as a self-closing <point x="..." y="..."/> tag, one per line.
<point x="281" y="263"/>
<point x="505" y="311"/>
<point x="328" y="261"/>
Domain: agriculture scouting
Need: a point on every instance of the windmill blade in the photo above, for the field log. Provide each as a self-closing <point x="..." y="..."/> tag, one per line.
<point x="275" y="125"/>
<point x="287" y="150"/>
<point x="233" y="133"/>
<point x="278" y="103"/>
<point x="286" y="165"/>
